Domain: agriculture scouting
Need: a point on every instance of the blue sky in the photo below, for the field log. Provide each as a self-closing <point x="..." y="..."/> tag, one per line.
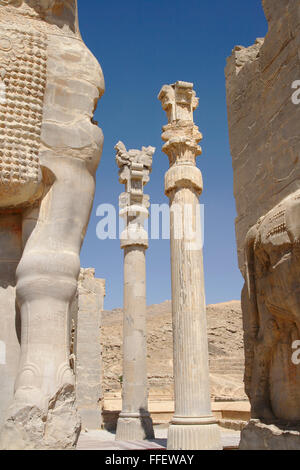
<point x="142" y="45"/>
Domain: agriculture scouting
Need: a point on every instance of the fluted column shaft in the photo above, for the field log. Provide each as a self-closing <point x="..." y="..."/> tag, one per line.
<point x="193" y="425"/>
<point x="189" y="317"/>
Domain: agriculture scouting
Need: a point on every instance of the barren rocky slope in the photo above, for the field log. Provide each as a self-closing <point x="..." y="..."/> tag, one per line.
<point x="225" y="350"/>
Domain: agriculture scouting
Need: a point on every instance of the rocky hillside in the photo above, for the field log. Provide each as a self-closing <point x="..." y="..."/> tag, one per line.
<point x="225" y="350"/>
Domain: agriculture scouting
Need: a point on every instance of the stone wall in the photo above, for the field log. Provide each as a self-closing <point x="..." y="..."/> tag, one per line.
<point x="264" y="113"/>
<point x="9" y="348"/>
<point x="10" y="253"/>
<point x="86" y="312"/>
<point x="263" y="120"/>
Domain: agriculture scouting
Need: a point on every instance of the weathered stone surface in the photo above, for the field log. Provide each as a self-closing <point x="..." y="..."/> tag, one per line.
<point x="87" y="314"/>
<point x="193" y="425"/>
<point x="271" y="305"/>
<point x="50" y="149"/>
<point x="9" y="348"/>
<point x="225" y="346"/>
<point x="43" y="426"/>
<point x="265" y="146"/>
<point x="134" y="422"/>
<point x="259" y="436"/>
<point x="263" y="120"/>
<point x="10" y="253"/>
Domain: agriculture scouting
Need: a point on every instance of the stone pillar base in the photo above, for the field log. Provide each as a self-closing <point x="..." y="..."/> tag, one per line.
<point x="134" y="429"/>
<point x="194" y="437"/>
<point x="259" y="436"/>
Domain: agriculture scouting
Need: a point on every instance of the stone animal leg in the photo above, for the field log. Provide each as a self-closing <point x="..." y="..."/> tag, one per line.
<point x="249" y="308"/>
<point x="250" y="327"/>
<point x="267" y="338"/>
<point x="258" y="327"/>
<point x="44" y="414"/>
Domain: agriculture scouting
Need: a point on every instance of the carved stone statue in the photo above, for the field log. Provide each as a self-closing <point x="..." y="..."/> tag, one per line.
<point x="50" y="148"/>
<point x="271" y="300"/>
<point x="265" y="141"/>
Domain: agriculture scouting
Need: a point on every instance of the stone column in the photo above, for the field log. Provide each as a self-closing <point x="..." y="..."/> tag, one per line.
<point x="134" y="422"/>
<point x="193" y="425"/>
<point x="87" y="315"/>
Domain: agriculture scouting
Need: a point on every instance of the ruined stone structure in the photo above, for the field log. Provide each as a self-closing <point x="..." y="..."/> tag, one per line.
<point x="50" y="148"/>
<point x="193" y="425"/>
<point x="134" y="422"/>
<point x="9" y="339"/>
<point x="264" y="113"/>
<point x="225" y="347"/>
<point x="87" y="352"/>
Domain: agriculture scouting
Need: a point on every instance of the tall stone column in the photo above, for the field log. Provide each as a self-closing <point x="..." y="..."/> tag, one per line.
<point x="134" y="422"/>
<point x="193" y="425"/>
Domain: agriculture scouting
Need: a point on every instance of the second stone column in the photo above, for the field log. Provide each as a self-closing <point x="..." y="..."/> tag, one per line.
<point x="193" y="425"/>
<point x="134" y="422"/>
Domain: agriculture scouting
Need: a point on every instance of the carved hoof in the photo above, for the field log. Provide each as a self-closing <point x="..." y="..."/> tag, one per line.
<point x="29" y="377"/>
<point x="65" y="376"/>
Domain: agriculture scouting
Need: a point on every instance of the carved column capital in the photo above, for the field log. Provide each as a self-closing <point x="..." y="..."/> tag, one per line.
<point x="181" y="137"/>
<point x="134" y="169"/>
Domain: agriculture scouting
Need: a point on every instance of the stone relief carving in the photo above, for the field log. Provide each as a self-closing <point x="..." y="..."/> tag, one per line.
<point x="23" y="72"/>
<point x="264" y="141"/>
<point x="50" y="148"/>
<point x="271" y="299"/>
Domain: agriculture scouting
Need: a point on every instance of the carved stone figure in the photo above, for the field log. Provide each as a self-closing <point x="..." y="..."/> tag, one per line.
<point x="271" y="301"/>
<point x="50" y="148"/>
<point x="134" y="422"/>
<point x="265" y="142"/>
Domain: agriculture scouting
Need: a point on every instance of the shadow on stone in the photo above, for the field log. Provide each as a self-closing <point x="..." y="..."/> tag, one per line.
<point x="147" y="424"/>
